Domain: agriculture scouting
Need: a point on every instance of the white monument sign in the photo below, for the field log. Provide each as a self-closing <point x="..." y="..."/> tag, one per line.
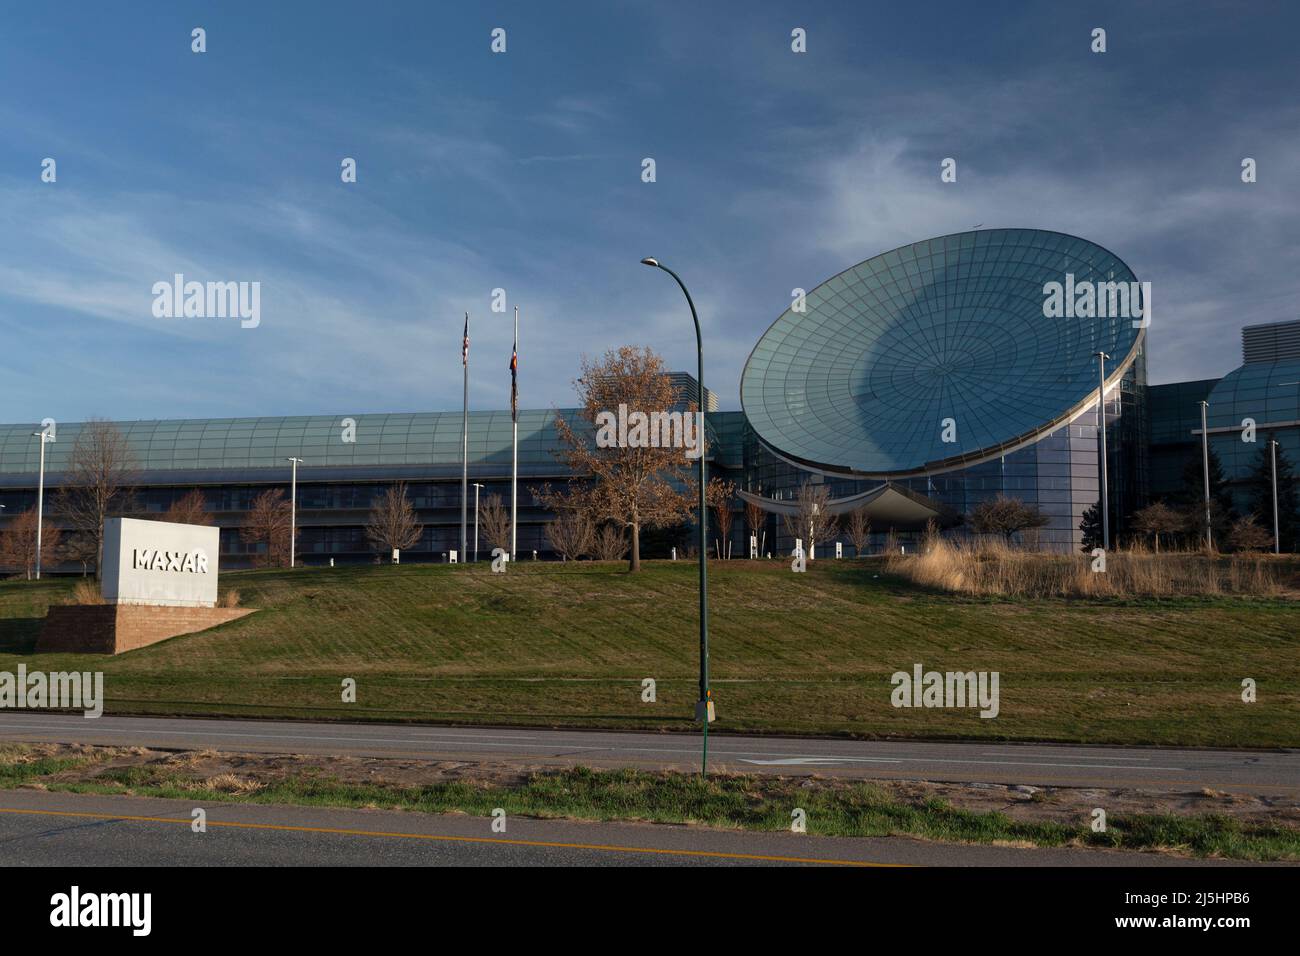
<point x="160" y="562"/>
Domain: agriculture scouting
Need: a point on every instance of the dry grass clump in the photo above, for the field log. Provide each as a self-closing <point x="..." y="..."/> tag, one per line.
<point x="993" y="567"/>
<point x="230" y="598"/>
<point x="190" y="759"/>
<point x="17" y="754"/>
<point x="232" y="783"/>
<point x="85" y="592"/>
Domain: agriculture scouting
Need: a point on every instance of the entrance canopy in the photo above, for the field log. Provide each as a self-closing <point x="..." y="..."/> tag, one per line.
<point x="887" y="506"/>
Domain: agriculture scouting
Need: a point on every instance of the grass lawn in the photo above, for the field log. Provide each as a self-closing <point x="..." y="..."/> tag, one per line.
<point x="569" y="644"/>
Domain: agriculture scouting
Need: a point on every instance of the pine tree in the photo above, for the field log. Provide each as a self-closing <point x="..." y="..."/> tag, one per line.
<point x="1193" y="490"/>
<point x="1091" y="528"/>
<point x="1192" y="499"/>
<point x="1260" y="485"/>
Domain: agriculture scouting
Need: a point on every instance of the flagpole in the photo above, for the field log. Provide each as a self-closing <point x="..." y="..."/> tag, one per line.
<point x="514" y="465"/>
<point x="464" y="445"/>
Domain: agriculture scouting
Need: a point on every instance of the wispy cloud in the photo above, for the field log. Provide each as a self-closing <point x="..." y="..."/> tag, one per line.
<point x="522" y="172"/>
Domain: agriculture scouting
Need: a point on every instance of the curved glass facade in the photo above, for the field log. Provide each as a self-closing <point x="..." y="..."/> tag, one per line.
<point x="1268" y="393"/>
<point x="950" y="330"/>
<point x="1059" y="473"/>
<point x="858" y="387"/>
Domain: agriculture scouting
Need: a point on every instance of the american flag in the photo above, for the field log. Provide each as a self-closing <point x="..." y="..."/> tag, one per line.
<point x="514" y="382"/>
<point x="464" y="345"/>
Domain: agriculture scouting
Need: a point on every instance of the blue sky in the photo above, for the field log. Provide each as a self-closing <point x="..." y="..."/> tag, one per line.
<point x="522" y="171"/>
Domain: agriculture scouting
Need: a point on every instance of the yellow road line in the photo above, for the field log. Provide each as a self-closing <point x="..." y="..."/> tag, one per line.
<point x="455" y="839"/>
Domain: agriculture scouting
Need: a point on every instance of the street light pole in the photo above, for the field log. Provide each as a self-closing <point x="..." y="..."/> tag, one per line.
<point x="464" y="439"/>
<point x="514" y="453"/>
<point x="704" y="706"/>
<point x="1272" y="454"/>
<point x="40" y="501"/>
<point x="477" y="486"/>
<point x="1277" y="538"/>
<point x="1101" y="429"/>
<point x="293" y="511"/>
<point x="1205" y="467"/>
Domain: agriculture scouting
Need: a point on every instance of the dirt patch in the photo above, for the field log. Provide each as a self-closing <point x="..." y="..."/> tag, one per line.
<point x="266" y="769"/>
<point x="244" y="774"/>
<point x="1071" y="804"/>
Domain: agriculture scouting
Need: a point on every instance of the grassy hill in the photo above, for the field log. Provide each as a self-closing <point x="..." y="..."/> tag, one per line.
<point x="569" y="644"/>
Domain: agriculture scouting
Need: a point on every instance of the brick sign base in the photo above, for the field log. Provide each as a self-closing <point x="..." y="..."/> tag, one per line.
<point x="118" y="628"/>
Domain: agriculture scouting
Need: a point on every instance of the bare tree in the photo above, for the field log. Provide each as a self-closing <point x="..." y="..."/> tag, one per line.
<point x="1221" y="520"/>
<point x="191" y="509"/>
<point x="1031" y="538"/>
<point x="101" y="472"/>
<point x="392" y="524"/>
<point x="639" y="484"/>
<point x="720" y="495"/>
<point x="610" y="544"/>
<point x="811" y="522"/>
<point x="754" y="520"/>
<point x="494" y="522"/>
<point x="79" y="548"/>
<point x="571" y="534"/>
<point x="1246" y="535"/>
<point x="859" y="530"/>
<point x="1005" y="516"/>
<point x="18" y="543"/>
<point x="270" y="522"/>
<point x="1158" y="519"/>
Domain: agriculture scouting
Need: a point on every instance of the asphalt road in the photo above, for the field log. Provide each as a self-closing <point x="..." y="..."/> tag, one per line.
<point x="55" y="829"/>
<point x="1269" y="772"/>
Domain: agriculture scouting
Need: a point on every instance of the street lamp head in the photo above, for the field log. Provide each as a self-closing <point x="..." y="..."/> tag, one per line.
<point x="298" y="460"/>
<point x="650" y="261"/>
